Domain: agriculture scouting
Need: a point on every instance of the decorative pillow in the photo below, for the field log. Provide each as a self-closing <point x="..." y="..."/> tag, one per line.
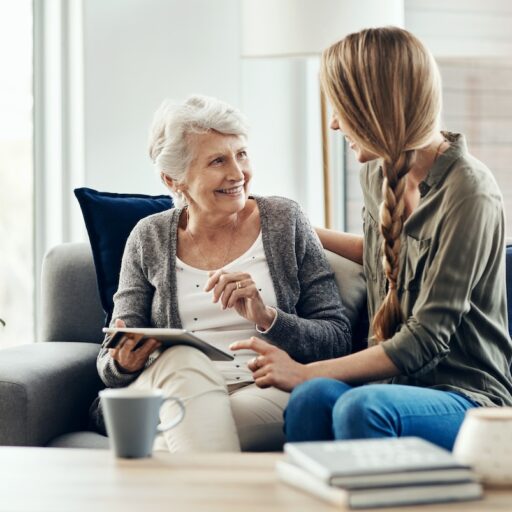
<point x="109" y="219"/>
<point x="352" y="286"/>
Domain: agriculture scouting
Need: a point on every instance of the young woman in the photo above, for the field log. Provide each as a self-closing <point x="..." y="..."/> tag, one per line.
<point x="433" y="256"/>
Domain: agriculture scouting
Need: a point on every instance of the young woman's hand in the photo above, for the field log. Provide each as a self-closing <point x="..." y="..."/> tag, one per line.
<point x="130" y="356"/>
<point x="238" y="290"/>
<point x="273" y="366"/>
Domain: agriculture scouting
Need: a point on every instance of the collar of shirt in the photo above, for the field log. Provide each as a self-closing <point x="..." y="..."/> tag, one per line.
<point x="444" y="162"/>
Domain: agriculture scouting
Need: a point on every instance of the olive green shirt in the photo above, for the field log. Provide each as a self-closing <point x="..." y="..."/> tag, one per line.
<point x="451" y="283"/>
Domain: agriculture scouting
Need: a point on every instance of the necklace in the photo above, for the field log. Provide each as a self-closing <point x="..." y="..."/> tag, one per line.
<point x="196" y="244"/>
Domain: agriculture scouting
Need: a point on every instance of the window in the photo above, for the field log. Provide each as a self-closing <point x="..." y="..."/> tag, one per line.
<point x="16" y="173"/>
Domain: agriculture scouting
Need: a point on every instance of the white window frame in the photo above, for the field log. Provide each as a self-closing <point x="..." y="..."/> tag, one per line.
<point x="58" y="127"/>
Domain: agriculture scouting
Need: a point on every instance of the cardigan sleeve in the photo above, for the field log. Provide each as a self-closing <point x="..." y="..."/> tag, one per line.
<point x="315" y="326"/>
<point x="132" y="303"/>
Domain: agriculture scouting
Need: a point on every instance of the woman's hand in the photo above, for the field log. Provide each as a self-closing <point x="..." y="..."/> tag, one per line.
<point x="130" y="356"/>
<point x="238" y="290"/>
<point x="273" y="366"/>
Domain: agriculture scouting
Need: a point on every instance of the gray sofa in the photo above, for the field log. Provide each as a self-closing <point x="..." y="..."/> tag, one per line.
<point x="46" y="388"/>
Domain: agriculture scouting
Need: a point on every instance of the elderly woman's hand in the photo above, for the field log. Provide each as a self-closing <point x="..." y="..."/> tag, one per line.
<point x="129" y="354"/>
<point x="273" y="366"/>
<point x="238" y="290"/>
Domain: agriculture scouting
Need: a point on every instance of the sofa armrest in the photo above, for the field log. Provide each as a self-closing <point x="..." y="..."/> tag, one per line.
<point x="45" y="390"/>
<point x="70" y="303"/>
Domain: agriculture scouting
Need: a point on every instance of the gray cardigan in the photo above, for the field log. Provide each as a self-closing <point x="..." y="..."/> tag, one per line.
<point x="310" y="324"/>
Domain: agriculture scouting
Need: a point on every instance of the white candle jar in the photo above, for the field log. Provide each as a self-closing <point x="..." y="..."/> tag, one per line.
<point x="485" y="443"/>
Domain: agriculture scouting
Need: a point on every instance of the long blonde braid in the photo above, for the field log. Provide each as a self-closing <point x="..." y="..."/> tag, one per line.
<point x="385" y="87"/>
<point x="391" y="217"/>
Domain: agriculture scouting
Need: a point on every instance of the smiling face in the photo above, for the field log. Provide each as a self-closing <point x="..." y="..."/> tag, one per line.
<point x="362" y="154"/>
<point x="218" y="176"/>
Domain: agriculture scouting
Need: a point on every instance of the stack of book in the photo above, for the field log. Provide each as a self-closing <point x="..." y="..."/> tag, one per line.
<point x="377" y="472"/>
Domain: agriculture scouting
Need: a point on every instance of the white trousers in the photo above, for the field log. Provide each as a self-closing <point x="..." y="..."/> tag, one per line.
<point x="217" y="419"/>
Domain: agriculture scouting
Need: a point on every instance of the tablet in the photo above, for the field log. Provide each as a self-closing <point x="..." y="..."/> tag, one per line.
<point x="169" y="338"/>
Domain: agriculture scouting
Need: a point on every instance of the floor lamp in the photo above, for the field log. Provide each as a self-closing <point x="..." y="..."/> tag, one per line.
<point x="295" y="28"/>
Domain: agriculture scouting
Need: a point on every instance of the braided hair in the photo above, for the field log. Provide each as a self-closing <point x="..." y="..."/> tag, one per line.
<point x="385" y="86"/>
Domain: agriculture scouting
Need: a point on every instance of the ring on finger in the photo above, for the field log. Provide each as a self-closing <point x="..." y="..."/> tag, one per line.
<point x="239" y="285"/>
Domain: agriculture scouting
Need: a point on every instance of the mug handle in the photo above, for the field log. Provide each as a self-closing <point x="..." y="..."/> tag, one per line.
<point x="175" y="421"/>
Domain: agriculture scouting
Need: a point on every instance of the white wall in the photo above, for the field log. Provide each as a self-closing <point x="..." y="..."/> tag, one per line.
<point x="137" y="52"/>
<point x="462" y="28"/>
<point x="274" y="100"/>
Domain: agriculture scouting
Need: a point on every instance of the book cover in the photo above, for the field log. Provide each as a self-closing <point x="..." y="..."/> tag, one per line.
<point x="359" y="463"/>
<point x="301" y="479"/>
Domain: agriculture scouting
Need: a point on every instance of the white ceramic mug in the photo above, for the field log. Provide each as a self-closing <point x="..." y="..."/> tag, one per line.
<point x="485" y="443"/>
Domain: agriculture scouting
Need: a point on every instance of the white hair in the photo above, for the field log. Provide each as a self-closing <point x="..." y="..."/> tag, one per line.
<point x="173" y="122"/>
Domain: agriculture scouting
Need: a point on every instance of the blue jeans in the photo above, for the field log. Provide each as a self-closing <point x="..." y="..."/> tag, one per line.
<point x="326" y="409"/>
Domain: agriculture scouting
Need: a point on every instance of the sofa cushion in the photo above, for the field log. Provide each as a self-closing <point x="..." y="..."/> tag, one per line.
<point x="82" y="439"/>
<point x="352" y="286"/>
<point x="109" y="219"/>
<point x="46" y="390"/>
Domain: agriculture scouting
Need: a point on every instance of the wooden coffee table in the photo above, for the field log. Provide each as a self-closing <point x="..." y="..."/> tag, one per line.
<point x="59" y="479"/>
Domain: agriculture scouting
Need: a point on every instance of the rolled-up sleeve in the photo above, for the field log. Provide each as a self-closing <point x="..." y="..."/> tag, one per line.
<point x="463" y="246"/>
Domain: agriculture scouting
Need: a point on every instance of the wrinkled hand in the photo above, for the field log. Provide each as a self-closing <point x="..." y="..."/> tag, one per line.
<point x="130" y="357"/>
<point x="273" y="366"/>
<point x="244" y="297"/>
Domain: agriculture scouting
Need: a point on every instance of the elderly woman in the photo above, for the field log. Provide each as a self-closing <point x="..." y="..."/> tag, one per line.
<point x="226" y="266"/>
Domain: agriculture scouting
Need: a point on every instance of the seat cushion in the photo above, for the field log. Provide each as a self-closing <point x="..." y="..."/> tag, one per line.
<point x="352" y="286"/>
<point x="84" y="439"/>
<point x="109" y="219"/>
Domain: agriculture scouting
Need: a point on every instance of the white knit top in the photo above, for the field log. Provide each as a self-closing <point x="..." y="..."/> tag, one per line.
<point x="221" y="327"/>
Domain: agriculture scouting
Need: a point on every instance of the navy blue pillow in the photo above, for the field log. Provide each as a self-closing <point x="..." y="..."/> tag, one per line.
<point x="109" y="219"/>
